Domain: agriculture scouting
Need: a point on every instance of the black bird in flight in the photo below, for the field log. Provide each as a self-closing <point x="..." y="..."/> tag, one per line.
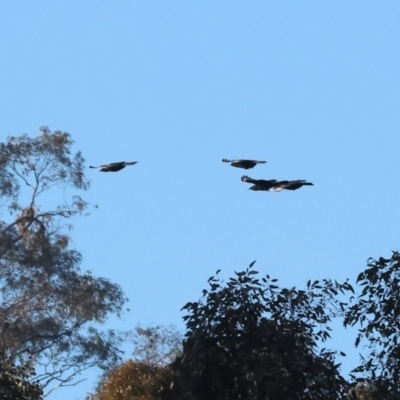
<point x="246" y="164"/>
<point x="262" y="184"/>
<point x="114" y="167"/>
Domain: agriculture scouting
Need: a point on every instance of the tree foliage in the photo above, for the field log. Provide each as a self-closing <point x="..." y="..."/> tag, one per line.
<point x="49" y="308"/>
<point x="250" y="339"/>
<point x="132" y="381"/>
<point x="15" y="381"/>
<point x="377" y="312"/>
<point x="155" y="345"/>
<point x="247" y="338"/>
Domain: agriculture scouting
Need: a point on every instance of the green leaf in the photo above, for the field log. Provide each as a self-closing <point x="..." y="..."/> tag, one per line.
<point x="251" y="264"/>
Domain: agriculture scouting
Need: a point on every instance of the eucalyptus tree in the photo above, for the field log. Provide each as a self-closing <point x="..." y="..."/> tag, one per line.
<point x="50" y="310"/>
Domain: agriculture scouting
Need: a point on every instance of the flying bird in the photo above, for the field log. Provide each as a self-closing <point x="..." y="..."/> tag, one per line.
<point x="277" y="186"/>
<point x="114" y="167"/>
<point x="259" y="184"/>
<point x="291" y="185"/>
<point x="246" y="164"/>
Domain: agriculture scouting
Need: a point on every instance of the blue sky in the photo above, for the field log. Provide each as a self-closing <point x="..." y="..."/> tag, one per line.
<point x="311" y="87"/>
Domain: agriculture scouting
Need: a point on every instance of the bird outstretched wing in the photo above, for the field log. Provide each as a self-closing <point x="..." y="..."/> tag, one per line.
<point x="259" y="184"/>
<point x="291" y="185"/>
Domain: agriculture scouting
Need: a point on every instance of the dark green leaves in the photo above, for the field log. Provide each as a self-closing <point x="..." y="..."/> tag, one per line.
<point x="15" y="381"/>
<point x="249" y="338"/>
<point x="377" y="312"/>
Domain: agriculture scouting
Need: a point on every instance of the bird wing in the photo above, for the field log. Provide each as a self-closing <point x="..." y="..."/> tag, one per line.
<point x="248" y="161"/>
<point x="237" y="161"/>
<point x="246" y="178"/>
<point x="259" y="182"/>
<point x="114" y="164"/>
<point x="294" y="185"/>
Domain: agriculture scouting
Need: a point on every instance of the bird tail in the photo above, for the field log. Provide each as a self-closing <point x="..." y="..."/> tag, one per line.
<point x="225" y="160"/>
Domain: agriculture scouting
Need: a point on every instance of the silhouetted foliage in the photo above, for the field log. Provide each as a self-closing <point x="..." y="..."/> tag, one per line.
<point x="46" y="303"/>
<point x="250" y="339"/>
<point x="15" y="381"/>
<point x="377" y="312"/>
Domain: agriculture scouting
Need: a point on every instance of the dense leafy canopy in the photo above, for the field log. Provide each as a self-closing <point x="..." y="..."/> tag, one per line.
<point x="251" y="339"/>
<point x="15" y="381"/>
<point x="377" y="312"/>
<point x="131" y="380"/>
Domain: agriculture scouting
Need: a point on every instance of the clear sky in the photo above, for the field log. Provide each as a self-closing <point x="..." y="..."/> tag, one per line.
<point x="311" y="87"/>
